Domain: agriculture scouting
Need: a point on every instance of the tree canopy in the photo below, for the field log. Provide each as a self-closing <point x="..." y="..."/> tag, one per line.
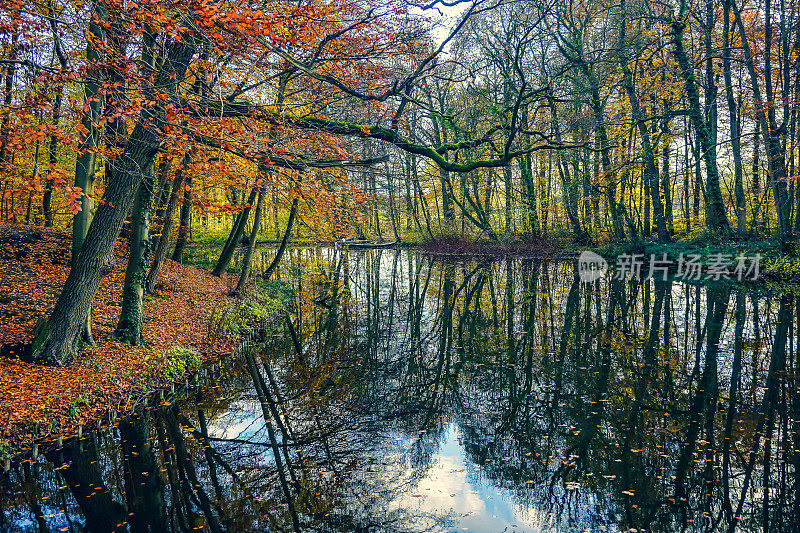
<point x="604" y="121"/>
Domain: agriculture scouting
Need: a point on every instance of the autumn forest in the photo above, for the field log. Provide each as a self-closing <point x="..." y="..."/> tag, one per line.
<point x="215" y="215"/>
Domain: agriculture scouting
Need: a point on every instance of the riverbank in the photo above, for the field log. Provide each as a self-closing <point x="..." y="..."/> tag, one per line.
<point x="39" y="403"/>
<point x="773" y="265"/>
<point x="543" y="249"/>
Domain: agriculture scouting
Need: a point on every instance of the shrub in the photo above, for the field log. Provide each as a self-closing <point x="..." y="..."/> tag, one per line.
<point x="247" y="312"/>
<point x="175" y="362"/>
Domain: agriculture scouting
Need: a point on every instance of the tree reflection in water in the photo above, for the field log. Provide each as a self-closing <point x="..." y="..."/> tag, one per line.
<point x="406" y="394"/>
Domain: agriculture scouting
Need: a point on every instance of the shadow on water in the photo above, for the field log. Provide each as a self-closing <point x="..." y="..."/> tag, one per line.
<point x="406" y="394"/>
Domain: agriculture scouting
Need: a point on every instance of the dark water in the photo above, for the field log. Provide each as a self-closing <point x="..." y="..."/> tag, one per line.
<point x="429" y="396"/>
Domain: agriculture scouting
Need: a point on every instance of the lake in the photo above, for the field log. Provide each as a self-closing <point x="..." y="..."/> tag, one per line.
<point x="405" y="393"/>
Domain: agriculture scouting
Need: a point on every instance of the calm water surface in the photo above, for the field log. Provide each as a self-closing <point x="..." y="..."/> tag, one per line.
<point x="469" y="396"/>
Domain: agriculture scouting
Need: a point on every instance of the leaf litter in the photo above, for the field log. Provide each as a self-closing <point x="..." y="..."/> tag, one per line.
<point x="37" y="402"/>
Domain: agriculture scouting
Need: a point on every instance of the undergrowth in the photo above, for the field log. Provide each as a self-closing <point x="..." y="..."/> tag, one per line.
<point x="774" y="264"/>
<point x="253" y="310"/>
<point x="174" y="363"/>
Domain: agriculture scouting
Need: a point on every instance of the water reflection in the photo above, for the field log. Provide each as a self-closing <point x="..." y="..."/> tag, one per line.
<point x="414" y="395"/>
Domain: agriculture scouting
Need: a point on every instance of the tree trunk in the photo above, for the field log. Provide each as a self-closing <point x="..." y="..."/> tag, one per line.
<point x="735" y="130"/>
<point x="755" y="181"/>
<point x="282" y="248"/>
<point x="422" y="201"/>
<point x="773" y="133"/>
<point x="715" y="206"/>
<point x="85" y="162"/>
<point x="166" y="231"/>
<point x="793" y="168"/>
<point x="440" y="137"/>
<point x="163" y="191"/>
<point x="548" y="191"/>
<point x="235" y="236"/>
<point x="526" y="175"/>
<point x="698" y="180"/>
<point x="129" y="326"/>
<point x="567" y="183"/>
<point x="251" y="246"/>
<point x="34" y="177"/>
<point x="601" y="132"/>
<point x="410" y="212"/>
<point x="58" y="341"/>
<point x="508" y="222"/>
<point x="8" y="93"/>
<point x="650" y="171"/>
<point x="183" y="227"/>
<point x="392" y="209"/>
<point x="796" y="204"/>
<point x="687" y="212"/>
<point x="52" y="149"/>
<point x="666" y="184"/>
<point x="87" y="150"/>
<point x="52" y="152"/>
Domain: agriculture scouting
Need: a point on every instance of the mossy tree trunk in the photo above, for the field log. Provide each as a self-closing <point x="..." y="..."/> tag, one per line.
<point x="166" y="230"/>
<point x="735" y="129"/>
<point x="282" y="248"/>
<point x="251" y="246"/>
<point x="59" y="341"/>
<point x="235" y="236"/>
<point x="774" y="133"/>
<point x="525" y="163"/>
<point x="715" y="207"/>
<point x="129" y="326"/>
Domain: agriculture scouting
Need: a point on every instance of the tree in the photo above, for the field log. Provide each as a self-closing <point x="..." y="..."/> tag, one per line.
<point x="251" y="245"/>
<point x="765" y="108"/>
<point x="60" y="338"/>
<point x="650" y="174"/>
<point x="718" y="217"/>
<point x="734" y="122"/>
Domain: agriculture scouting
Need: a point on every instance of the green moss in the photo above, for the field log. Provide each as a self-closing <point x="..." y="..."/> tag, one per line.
<point x="174" y="363"/>
<point x="73" y="411"/>
<point x="40" y="333"/>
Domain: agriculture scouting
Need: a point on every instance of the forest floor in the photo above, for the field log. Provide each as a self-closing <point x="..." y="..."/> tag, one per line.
<point x="40" y="402"/>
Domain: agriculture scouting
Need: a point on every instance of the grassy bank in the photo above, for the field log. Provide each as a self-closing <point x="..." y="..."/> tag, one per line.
<point x="189" y="322"/>
<point x="541" y="248"/>
<point x="775" y="267"/>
